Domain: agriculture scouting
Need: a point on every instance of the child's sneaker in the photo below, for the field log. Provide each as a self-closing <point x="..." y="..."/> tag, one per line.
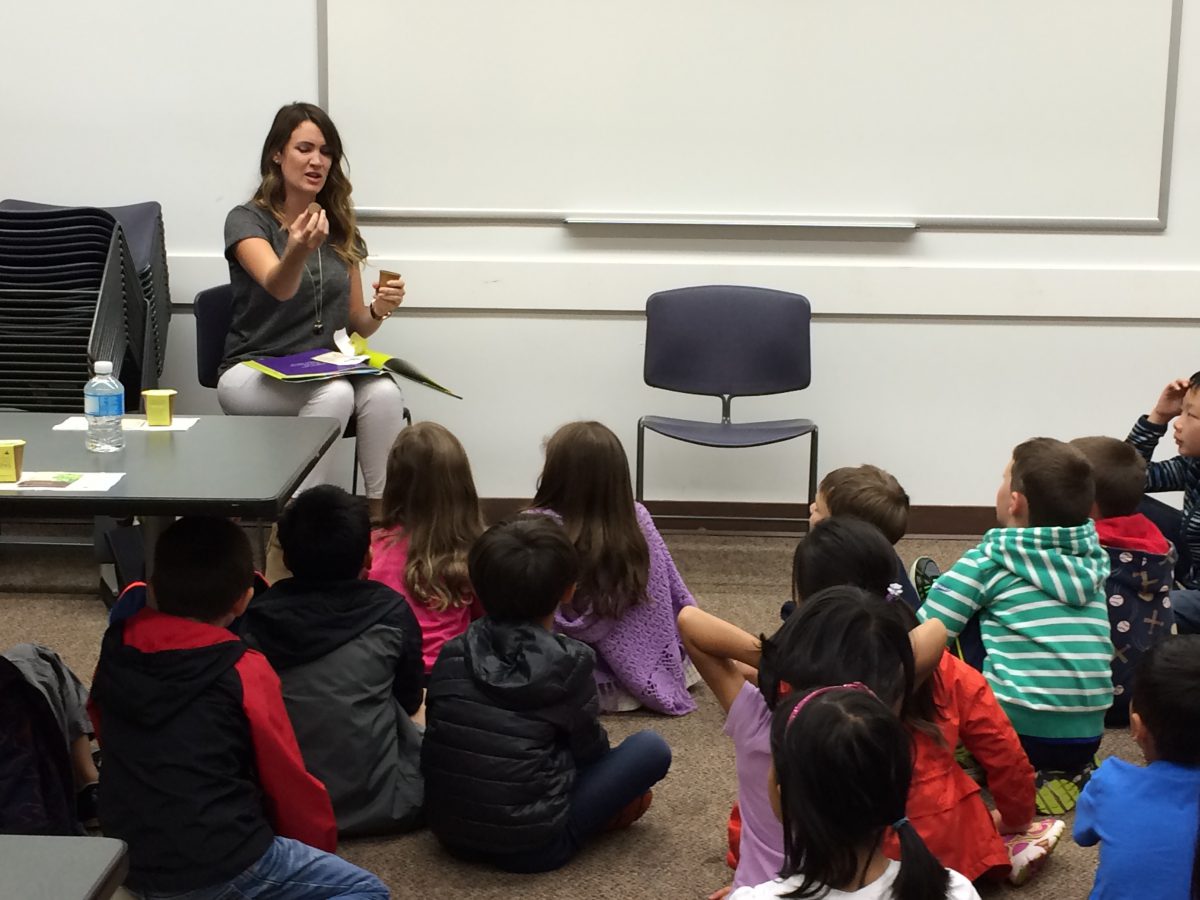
<point x="1058" y="792"/>
<point x="1028" y="852"/>
<point x="923" y="573"/>
<point x="634" y="810"/>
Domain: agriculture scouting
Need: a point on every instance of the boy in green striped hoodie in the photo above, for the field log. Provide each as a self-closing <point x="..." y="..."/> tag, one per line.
<point x="1037" y="585"/>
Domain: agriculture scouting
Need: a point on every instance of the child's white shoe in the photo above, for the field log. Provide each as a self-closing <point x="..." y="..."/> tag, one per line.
<point x="1029" y="851"/>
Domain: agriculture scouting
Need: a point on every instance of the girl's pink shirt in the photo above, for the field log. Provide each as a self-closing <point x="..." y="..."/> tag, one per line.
<point x="389" y="556"/>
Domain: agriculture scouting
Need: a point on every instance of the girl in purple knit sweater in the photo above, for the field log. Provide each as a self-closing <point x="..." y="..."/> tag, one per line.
<point x="629" y="591"/>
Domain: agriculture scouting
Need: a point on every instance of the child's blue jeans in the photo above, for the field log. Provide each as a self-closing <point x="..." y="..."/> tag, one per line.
<point x="290" y="870"/>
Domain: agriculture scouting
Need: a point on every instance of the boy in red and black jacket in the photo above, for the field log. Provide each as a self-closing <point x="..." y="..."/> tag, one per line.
<point x="202" y="775"/>
<point x="1142" y="563"/>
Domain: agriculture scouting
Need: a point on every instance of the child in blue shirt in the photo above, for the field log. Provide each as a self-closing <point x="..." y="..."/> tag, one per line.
<point x="1145" y="818"/>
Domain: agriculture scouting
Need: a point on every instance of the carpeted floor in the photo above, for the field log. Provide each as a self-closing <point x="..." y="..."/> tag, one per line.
<point x="676" y="851"/>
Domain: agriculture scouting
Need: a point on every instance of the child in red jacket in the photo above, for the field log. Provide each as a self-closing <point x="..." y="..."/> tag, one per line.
<point x="954" y="705"/>
<point x="202" y="776"/>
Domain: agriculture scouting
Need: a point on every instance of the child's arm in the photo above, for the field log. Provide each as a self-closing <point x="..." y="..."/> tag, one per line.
<point x="296" y="803"/>
<point x="586" y="737"/>
<point x="956" y="596"/>
<point x="661" y="554"/>
<point x="410" y="666"/>
<point x="987" y="733"/>
<point x="928" y="643"/>
<point x="1087" y="812"/>
<point x="1167" y="475"/>
<point x="719" y="651"/>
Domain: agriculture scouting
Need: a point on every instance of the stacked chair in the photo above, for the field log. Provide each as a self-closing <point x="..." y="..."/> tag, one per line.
<point x="79" y="285"/>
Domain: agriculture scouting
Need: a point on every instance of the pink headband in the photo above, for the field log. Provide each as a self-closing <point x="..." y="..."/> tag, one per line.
<point x="852" y="686"/>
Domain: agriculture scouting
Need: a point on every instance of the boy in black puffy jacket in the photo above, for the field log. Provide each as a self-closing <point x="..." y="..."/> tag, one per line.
<point x="518" y="770"/>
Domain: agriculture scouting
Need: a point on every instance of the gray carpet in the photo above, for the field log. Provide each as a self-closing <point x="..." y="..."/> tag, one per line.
<point x="677" y="850"/>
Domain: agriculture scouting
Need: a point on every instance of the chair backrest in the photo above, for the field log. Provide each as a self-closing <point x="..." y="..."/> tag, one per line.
<point x="725" y="340"/>
<point x="213" y="309"/>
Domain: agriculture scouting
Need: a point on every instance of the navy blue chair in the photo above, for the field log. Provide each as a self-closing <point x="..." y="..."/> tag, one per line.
<point x="213" y="309"/>
<point x="725" y="341"/>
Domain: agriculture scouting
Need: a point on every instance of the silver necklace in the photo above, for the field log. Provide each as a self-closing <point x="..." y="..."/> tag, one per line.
<point x="318" y="291"/>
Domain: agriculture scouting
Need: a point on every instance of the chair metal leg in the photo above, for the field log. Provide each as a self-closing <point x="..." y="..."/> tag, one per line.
<point x="812" y="470"/>
<point x="354" y="470"/>
<point x="639" y="486"/>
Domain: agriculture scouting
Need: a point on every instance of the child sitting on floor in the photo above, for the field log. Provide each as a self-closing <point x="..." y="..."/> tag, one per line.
<point x="1145" y="817"/>
<point x="348" y="653"/>
<point x="430" y="519"/>
<point x="518" y="770"/>
<point x="1141" y="561"/>
<point x="954" y="704"/>
<point x="629" y="589"/>
<point x="1179" y="400"/>
<point x="839" y="782"/>
<point x="202" y="775"/>
<point x="840" y="634"/>
<point x="1037" y="586"/>
<point x="869" y="493"/>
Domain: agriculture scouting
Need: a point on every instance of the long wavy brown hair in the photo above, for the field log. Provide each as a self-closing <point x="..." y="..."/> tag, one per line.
<point x="430" y="494"/>
<point x="586" y="481"/>
<point x="344" y="236"/>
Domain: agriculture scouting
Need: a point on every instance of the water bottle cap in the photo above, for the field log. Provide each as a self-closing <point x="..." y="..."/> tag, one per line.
<point x="102" y="367"/>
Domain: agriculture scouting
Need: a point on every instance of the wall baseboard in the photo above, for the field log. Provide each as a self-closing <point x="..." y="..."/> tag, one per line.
<point x="782" y="518"/>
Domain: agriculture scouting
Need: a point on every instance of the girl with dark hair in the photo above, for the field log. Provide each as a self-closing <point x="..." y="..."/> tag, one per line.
<point x="629" y="589"/>
<point x="841" y="634"/>
<point x="295" y="253"/>
<point x="842" y="766"/>
<point x="1147" y="818"/>
<point x="430" y="519"/>
<point x="954" y="705"/>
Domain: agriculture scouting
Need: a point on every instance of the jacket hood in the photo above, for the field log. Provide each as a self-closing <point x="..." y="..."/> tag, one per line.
<point x="152" y="665"/>
<point x="1134" y="532"/>
<point x="1065" y="563"/>
<point x="524" y="665"/>
<point x="297" y="621"/>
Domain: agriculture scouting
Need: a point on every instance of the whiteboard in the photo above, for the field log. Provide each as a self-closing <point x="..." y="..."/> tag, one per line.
<point x="927" y="110"/>
<point x="107" y="104"/>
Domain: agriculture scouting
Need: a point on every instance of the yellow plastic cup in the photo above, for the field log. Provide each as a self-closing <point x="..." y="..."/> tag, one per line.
<point x="160" y="406"/>
<point x="12" y="454"/>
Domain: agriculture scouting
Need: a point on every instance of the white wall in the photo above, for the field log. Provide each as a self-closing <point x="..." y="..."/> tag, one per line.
<point x="921" y="362"/>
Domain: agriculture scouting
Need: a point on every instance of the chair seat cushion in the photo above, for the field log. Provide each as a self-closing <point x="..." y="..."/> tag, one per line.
<point x="735" y="434"/>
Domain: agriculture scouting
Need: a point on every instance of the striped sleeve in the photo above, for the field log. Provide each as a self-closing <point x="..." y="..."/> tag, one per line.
<point x="1168" y="475"/>
<point x="957" y="595"/>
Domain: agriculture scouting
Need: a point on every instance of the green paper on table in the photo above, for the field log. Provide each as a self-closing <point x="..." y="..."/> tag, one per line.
<point x="396" y="365"/>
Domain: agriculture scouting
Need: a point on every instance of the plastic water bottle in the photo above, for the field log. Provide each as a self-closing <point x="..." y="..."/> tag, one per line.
<point x="103" y="406"/>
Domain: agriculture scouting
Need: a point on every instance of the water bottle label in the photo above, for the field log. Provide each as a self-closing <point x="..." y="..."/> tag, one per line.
<point x="104" y="404"/>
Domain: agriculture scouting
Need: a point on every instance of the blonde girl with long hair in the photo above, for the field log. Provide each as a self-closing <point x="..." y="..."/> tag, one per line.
<point x="430" y="519"/>
<point x="295" y="254"/>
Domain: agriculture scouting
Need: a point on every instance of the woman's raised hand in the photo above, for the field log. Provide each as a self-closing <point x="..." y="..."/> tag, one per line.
<point x="310" y="229"/>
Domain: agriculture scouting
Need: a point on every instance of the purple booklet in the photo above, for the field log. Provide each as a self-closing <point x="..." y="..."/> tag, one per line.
<point x="305" y="366"/>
